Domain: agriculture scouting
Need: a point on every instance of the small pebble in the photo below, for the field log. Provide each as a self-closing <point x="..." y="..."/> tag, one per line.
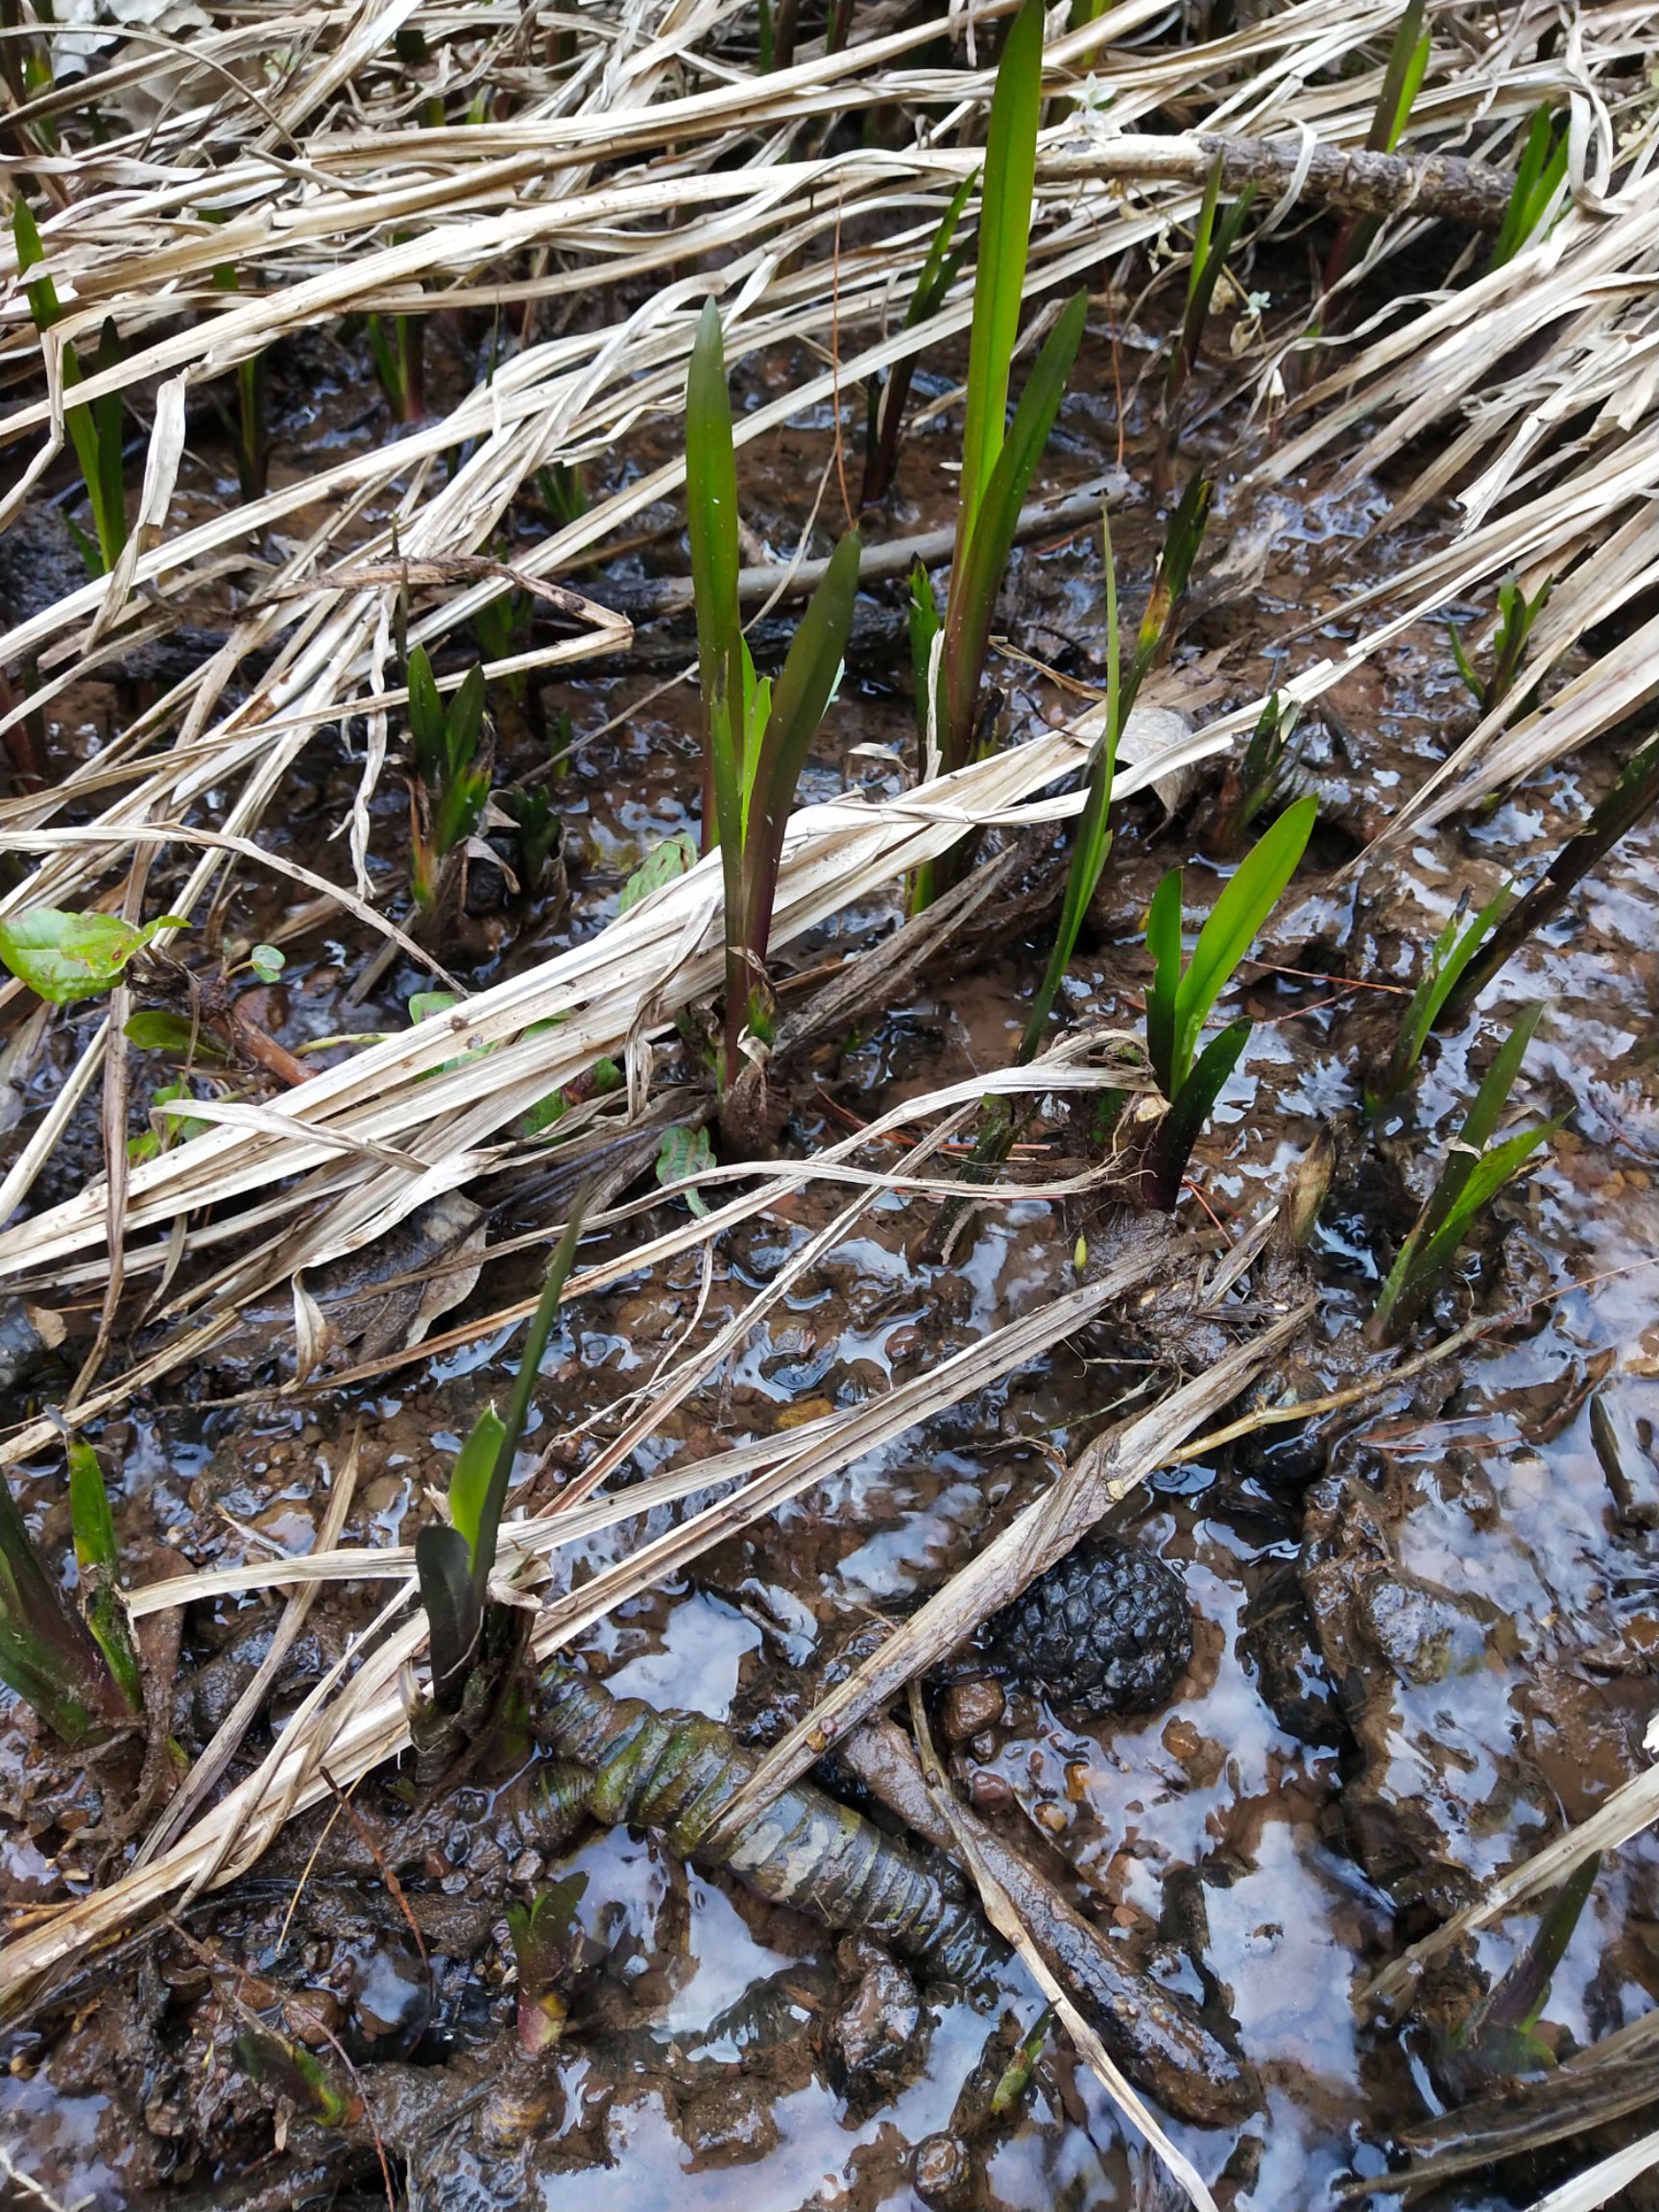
<point x="942" y="2173"/>
<point x="989" y="1793"/>
<point x="970" y="1707"/>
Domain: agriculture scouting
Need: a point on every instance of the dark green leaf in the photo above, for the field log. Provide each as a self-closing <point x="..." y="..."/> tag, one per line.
<point x="454" y="1611"/>
<point x="1180" y="1129"/>
<point x="1164" y="943"/>
<point x="64" y="956"/>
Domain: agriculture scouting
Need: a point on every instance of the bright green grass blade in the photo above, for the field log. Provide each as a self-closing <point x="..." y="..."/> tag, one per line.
<point x="1004" y="242"/>
<point x="711" y="518"/>
<point x="975" y="582"/>
<point x="1427" y="1252"/>
<point x="1451" y="955"/>
<point x="1408" y="60"/>
<point x="1236" y="917"/>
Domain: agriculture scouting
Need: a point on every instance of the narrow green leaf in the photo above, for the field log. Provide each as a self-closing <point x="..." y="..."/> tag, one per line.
<point x="1407" y="59"/>
<point x="1452" y="952"/>
<point x="1004" y="243"/>
<point x="524" y="1384"/>
<point x="159" y="1032"/>
<point x="470" y="1476"/>
<point x="976" y="579"/>
<point x="712" y="517"/>
<point x="939" y="266"/>
<point x="1164" y="943"/>
<point x="804" y="690"/>
<point x="465" y="720"/>
<point x="1238" y="915"/>
<point x="428" y="720"/>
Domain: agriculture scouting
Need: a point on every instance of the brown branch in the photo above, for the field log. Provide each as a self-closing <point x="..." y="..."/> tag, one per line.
<point x="1362" y="183"/>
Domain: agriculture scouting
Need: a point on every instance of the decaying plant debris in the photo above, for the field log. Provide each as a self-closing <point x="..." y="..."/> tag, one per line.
<point x="347" y="603"/>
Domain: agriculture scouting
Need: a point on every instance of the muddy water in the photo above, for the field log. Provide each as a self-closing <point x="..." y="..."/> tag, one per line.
<point x="1424" y="1642"/>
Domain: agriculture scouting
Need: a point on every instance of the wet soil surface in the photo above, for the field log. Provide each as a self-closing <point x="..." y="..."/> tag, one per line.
<point x="1424" y="1632"/>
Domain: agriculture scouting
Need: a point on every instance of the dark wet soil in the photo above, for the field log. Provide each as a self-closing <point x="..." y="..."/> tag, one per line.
<point x="1424" y="1631"/>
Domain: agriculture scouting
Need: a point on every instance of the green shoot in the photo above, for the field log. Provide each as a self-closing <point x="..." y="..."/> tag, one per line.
<point x="1452" y="952"/>
<point x="455" y="1558"/>
<point x="887" y="399"/>
<point x="1182" y="993"/>
<point x="397" y="346"/>
<point x="249" y="433"/>
<point x="1015" y="2078"/>
<point x="94" y="427"/>
<point x="502" y="628"/>
<point x="1401" y="81"/>
<point x="1210" y="250"/>
<point x="682" y="1153"/>
<point x="449" y="791"/>
<point x="100" y="1565"/>
<point x="47" y="1653"/>
<point x="1500" y="2041"/>
<point x="541" y="835"/>
<point x="1516" y="617"/>
<point x="1540" y="182"/>
<point x="297" y="2075"/>
<point x="1258" y="779"/>
<point x="64" y="956"/>
<point x="755" y="737"/>
<point x="1633" y="796"/>
<point x="1476" y="1170"/>
<point x="1094" y="839"/>
<point x="562" y="493"/>
<point x="544" y="1935"/>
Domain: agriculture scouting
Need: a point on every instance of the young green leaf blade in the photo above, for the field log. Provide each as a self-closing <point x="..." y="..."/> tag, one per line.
<point x="803" y="691"/>
<point x="976" y="579"/>
<point x="1164" y="943"/>
<point x="1175" y="1134"/>
<point x="1427" y="1252"/>
<point x="1004" y="244"/>
<point x="470" y="1476"/>
<point x="99" y="1560"/>
<point x="47" y="1653"/>
<point x="63" y="957"/>
<point x="712" y="520"/>
<point x="1248" y="899"/>
<point x="541" y="1321"/>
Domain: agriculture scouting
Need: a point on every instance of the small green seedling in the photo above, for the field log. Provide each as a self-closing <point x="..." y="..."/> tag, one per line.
<point x="887" y="395"/>
<point x="1539" y="192"/>
<point x="1258" y="778"/>
<point x="540" y="837"/>
<point x="450" y="788"/>
<point x="298" y="2075"/>
<point x="1092" y="839"/>
<point x="82" y="1679"/>
<point x="1516" y="616"/>
<point x="685" y="1152"/>
<point x="1015" y="2078"/>
<point x="755" y="737"/>
<point x="544" y="1936"/>
<point x="664" y="863"/>
<point x="1182" y="993"/>
<point x="455" y="1558"/>
<point x="94" y="427"/>
<point x="1212" y="249"/>
<point x="1500" y="2041"/>
<point x="1476" y="1170"/>
<point x="64" y="956"/>
<point x="1448" y="959"/>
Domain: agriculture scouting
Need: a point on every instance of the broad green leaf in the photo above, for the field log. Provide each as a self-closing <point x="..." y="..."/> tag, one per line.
<point x="156" y="1031"/>
<point x="47" y="1653"/>
<point x="64" y="956"/>
<point x="469" y="1477"/>
<point x="267" y="962"/>
<point x="1235" y="921"/>
<point x="685" y="1152"/>
<point x="977" y="578"/>
<point x="424" y="1004"/>
<point x="465" y="720"/>
<point x="1004" y="243"/>
<point x="663" y="864"/>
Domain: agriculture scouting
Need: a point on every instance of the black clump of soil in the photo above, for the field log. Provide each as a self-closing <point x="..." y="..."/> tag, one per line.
<point x="1107" y="1630"/>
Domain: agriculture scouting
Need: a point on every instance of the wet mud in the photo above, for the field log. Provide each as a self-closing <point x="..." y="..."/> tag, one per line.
<point x="1423" y="1630"/>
